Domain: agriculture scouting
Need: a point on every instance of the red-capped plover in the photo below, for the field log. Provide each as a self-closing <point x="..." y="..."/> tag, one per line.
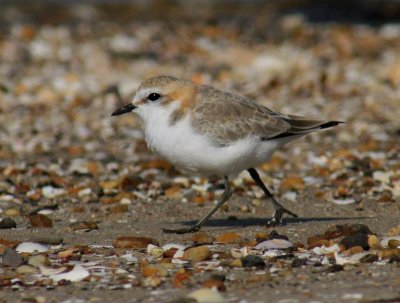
<point x="209" y="132"/>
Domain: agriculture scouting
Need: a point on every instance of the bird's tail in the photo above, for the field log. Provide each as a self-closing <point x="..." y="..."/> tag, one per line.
<point x="302" y="126"/>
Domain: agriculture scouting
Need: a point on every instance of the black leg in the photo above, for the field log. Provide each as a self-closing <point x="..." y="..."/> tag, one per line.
<point x="279" y="209"/>
<point x="225" y="196"/>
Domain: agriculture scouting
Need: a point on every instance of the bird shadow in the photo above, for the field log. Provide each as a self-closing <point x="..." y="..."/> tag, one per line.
<point x="253" y="221"/>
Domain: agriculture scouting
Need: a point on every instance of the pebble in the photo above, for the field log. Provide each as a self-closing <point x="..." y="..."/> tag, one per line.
<point x="10" y="258"/>
<point x="38" y="260"/>
<point x="12" y="212"/>
<point x="215" y="284"/>
<point x="48" y="239"/>
<point x="154" y="270"/>
<point x="395" y="231"/>
<point x="83" y="225"/>
<point x="236" y="263"/>
<point x="7" y="223"/>
<point x="197" y="254"/>
<point x="206" y="295"/>
<point x="373" y="242"/>
<point x="152" y="281"/>
<point x="39" y="220"/>
<point x="52" y="192"/>
<point x="26" y="269"/>
<point x="370" y="258"/>
<point x="385" y="241"/>
<point x="275" y="235"/>
<point x="394" y="243"/>
<point x="388" y="253"/>
<point x="358" y="239"/>
<point x="228" y="238"/>
<point x="253" y="261"/>
<point x="292" y="182"/>
<point x="334" y="268"/>
<point x="133" y="242"/>
<point x="120" y="208"/>
<point x="202" y="237"/>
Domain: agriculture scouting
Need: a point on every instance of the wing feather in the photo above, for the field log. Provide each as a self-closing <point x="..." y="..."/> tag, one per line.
<point x="227" y="117"/>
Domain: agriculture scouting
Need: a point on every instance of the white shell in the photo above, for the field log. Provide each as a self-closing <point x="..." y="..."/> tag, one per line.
<point x="78" y="273"/>
<point x="31" y="247"/>
<point x="173" y="245"/>
<point x="274" y="244"/>
<point x="326" y="250"/>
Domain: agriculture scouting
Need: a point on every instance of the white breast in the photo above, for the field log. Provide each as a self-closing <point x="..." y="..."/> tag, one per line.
<point x="183" y="147"/>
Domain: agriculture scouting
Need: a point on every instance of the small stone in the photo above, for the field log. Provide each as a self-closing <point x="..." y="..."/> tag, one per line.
<point x="214" y="284"/>
<point x="120" y="208"/>
<point x="358" y="239"/>
<point x="370" y="258"/>
<point x="39" y="220"/>
<point x="395" y="231"/>
<point x="12" y="212"/>
<point x="48" y="239"/>
<point x="197" y="254"/>
<point x="293" y="182"/>
<point x="26" y="269"/>
<point x="253" y="261"/>
<point x="38" y="260"/>
<point x="152" y="281"/>
<point x="389" y="253"/>
<point x="65" y="254"/>
<point x="334" y="268"/>
<point x="109" y="185"/>
<point x="228" y="238"/>
<point x="339" y="230"/>
<point x="202" y="237"/>
<point x="394" y="243"/>
<point x="206" y="295"/>
<point x="373" y="242"/>
<point x="133" y="242"/>
<point x="52" y="192"/>
<point x="180" y="278"/>
<point x="355" y="250"/>
<point x="154" y="270"/>
<point x="156" y="164"/>
<point x="174" y="192"/>
<point x="84" y="225"/>
<point x="299" y="262"/>
<point x="275" y="235"/>
<point x="10" y="258"/>
<point x="236" y="263"/>
<point x="129" y="183"/>
<point x="7" y="223"/>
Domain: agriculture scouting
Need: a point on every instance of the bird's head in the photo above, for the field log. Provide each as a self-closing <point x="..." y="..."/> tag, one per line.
<point x="158" y="94"/>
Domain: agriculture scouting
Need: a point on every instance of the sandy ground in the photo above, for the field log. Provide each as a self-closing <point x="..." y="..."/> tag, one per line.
<point x="62" y="155"/>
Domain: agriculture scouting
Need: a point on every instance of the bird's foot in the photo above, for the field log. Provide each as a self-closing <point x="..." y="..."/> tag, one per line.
<point x="278" y="216"/>
<point x="185" y="230"/>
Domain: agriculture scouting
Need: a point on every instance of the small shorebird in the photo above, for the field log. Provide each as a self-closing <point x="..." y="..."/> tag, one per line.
<point x="209" y="132"/>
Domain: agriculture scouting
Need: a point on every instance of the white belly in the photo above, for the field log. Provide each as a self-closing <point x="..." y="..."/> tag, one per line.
<point x="194" y="153"/>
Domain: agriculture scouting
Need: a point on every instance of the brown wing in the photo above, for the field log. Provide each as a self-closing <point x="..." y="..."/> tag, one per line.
<point x="234" y="117"/>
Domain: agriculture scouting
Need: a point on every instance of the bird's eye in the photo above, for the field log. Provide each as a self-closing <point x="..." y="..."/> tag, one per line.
<point x="153" y="97"/>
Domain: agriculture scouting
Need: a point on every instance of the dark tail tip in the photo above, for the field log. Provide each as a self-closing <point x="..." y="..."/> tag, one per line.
<point x="330" y="124"/>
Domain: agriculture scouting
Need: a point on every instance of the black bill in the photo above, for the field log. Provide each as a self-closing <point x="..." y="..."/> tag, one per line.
<point x="123" y="110"/>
